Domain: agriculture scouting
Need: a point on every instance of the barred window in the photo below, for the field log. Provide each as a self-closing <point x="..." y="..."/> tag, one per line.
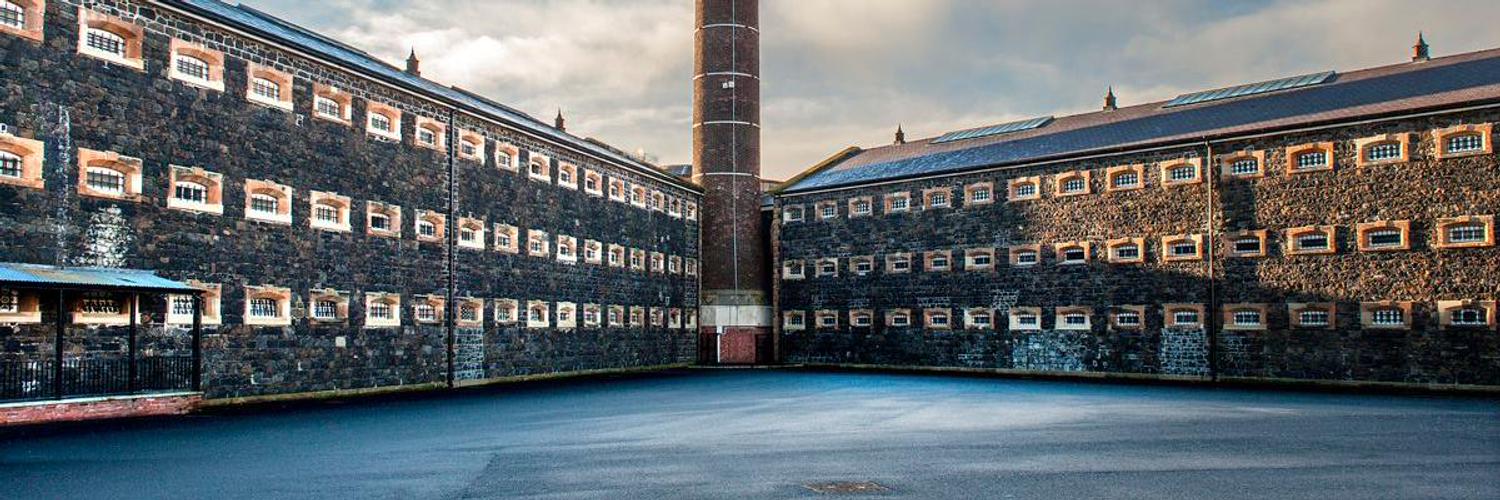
<point x="425" y="312"/>
<point x="382" y="310"/>
<point x="828" y="320"/>
<point x="266" y="89"/>
<point x="1247" y="318"/>
<point x="192" y="67"/>
<point x="105" y="180"/>
<point x="1127" y="252"/>
<point x="901" y="203"/>
<point x="1312" y="160"/>
<point x="426" y="228"/>
<point x="980" y="195"/>
<point x="380" y="122"/>
<point x="1025" y="190"/>
<point x="190" y="192"/>
<point x="326" y="213"/>
<point x="1073" y="186"/>
<point x="12" y="15"/>
<point x="1074" y="255"/>
<point x="328" y="107"/>
<point x="862" y="207"/>
<point x="1467" y="233"/>
<point x="1184" y="248"/>
<point x="1075" y="319"/>
<point x="1027" y="319"/>
<point x="1182" y="173"/>
<point x="938" y="262"/>
<point x="182" y="305"/>
<point x="380" y="221"/>
<point x="900" y="264"/>
<point x="830" y="212"/>
<point x="105" y="41"/>
<point x="1130" y="318"/>
<point x="10" y="302"/>
<point x="1127" y="180"/>
<point x="939" y="199"/>
<point x="467" y="234"/>
<point x="982" y="260"/>
<point x="502" y="159"/>
<point x="325" y="309"/>
<point x="859" y="319"/>
<point x="1385" y="238"/>
<point x="467" y="148"/>
<point x="1470" y="317"/>
<point x="1027" y="258"/>
<point x="937" y="319"/>
<point x="1389" y="317"/>
<point x="265" y="204"/>
<point x="262" y="307"/>
<point x="793" y="213"/>
<point x="426" y="136"/>
<point x="1464" y="143"/>
<point x="863" y="266"/>
<point x="1185" y="318"/>
<point x="100" y="305"/>
<point x="1314" y="241"/>
<point x="1244" y="166"/>
<point x="10" y="165"/>
<point x="1247" y="246"/>
<point x="1383" y="151"/>
<point x="900" y="319"/>
<point x="1313" y="318"/>
<point x="980" y="319"/>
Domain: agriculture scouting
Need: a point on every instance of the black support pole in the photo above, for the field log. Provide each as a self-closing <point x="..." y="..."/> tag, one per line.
<point x="198" y="343"/>
<point x="135" y="311"/>
<point x="450" y="240"/>
<point x="57" y="348"/>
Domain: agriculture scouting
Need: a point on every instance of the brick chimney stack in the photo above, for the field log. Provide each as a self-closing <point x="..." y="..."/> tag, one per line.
<point x="413" y="66"/>
<point x="735" y="310"/>
<point x="1419" y="52"/>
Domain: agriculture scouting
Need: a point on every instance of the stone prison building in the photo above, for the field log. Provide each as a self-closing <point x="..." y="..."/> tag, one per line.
<point x="200" y="200"/>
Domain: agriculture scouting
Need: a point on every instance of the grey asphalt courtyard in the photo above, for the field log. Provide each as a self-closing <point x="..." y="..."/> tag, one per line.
<point x="769" y="434"/>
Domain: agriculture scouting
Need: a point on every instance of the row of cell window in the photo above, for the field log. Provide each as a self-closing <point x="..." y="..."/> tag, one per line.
<point x="1383" y="236"/>
<point x="1454" y="142"/>
<point x="272" y="306"/>
<point x="118" y="41"/>
<point x="1246" y="317"/>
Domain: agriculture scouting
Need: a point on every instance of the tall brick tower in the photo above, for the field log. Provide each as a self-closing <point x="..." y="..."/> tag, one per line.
<point x="735" y="310"/>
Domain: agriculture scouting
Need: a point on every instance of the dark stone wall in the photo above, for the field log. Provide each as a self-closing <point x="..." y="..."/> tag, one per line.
<point x="71" y="101"/>
<point x="1421" y="190"/>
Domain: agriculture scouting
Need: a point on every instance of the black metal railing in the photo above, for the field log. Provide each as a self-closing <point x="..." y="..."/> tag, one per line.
<point x="29" y="379"/>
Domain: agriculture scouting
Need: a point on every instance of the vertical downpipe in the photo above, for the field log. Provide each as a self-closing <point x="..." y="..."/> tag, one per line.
<point x="449" y="240"/>
<point x="1210" y="236"/>
<point x="130" y="371"/>
<point x="198" y="342"/>
<point x="57" y="347"/>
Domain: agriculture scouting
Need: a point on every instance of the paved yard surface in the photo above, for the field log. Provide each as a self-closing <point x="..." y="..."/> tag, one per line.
<point x="767" y="434"/>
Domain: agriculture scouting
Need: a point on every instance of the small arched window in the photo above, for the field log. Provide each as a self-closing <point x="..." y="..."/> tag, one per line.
<point x="266" y="89"/>
<point x="265" y="204"/>
<point x="105" y="41"/>
<point x="105" y="180"/>
<point x="380" y="122"/>
<point x="192" y="67"/>
<point x="328" y="108"/>
<point x="190" y="192"/>
<point x="12" y="15"/>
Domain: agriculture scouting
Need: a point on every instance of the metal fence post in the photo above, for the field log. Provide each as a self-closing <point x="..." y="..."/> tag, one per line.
<point x="57" y="348"/>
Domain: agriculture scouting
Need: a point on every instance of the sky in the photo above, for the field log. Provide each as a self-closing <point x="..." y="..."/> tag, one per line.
<point x="837" y="73"/>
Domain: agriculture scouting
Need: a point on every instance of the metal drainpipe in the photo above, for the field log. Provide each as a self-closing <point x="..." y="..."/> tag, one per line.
<point x="1212" y="323"/>
<point x="449" y="241"/>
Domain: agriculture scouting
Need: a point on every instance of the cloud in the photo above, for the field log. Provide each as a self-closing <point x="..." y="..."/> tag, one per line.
<point x="845" y="72"/>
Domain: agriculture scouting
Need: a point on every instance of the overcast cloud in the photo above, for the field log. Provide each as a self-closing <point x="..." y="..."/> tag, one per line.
<point x="845" y="72"/>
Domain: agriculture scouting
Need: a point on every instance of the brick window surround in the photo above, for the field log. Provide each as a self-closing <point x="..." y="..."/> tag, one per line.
<point x="1019" y="251"/>
<point x="197" y="183"/>
<point x="392" y="214"/>
<point x="390" y="114"/>
<point x="937" y="261"/>
<point x="1063" y="181"/>
<point x="1459" y="314"/>
<point x="1017" y="314"/>
<point x="894" y="261"/>
<point x="507" y="157"/>
<point x="1168" y="167"/>
<point x="471" y="233"/>
<point x="257" y="76"/>
<point x="470" y="146"/>
<point x="567" y="175"/>
<point x="899" y="318"/>
<point x="537" y="314"/>
<point x="1294" y="240"/>
<point x="316" y="305"/>
<point x="826" y="267"/>
<point x="1172" y="319"/>
<point x="979" y="318"/>
<point x="1294" y="153"/>
<point x="794" y="321"/>
<point x="638" y="197"/>
<point x="937" y="198"/>
<point x="1170" y="241"/>
<point x="825" y="319"/>
<point x="438" y="221"/>
<point x="825" y="210"/>
<point x="339" y="206"/>
<point x="1246" y="244"/>
<point x="867" y="262"/>
<point x="593" y="183"/>
<point x="861" y="318"/>
<point x="1484" y="132"/>
<point x="861" y="206"/>
<point x="1300" y="314"/>
<point x="897" y="202"/>
<point x="1367" y="233"/>
<point x="1064" y="313"/>
<point x="1375" y="315"/>
<point x="212" y="298"/>
<point x="1446" y="227"/>
<point x="32" y="29"/>
<point x="972" y="193"/>
<point x="1366" y="147"/>
<point x="1114" y="247"/>
<point x="616" y="257"/>
<point x="793" y="269"/>
<point x="507" y="311"/>
<point x="132" y="36"/>
<point x="637" y="316"/>
<point x="1024" y="188"/>
<point x="29" y="154"/>
<point x="1115" y="178"/>
<point x="437" y="130"/>
<point x="792" y="213"/>
<point x="1063" y="250"/>
<point x="979" y="259"/>
<point x="1229" y="162"/>
<point x="27" y="307"/>
<point x="112" y="164"/>
<point x="279" y="298"/>
<point x="593" y="252"/>
<point x="937" y="318"/>
<point x="1117" y="313"/>
<point x="101" y="309"/>
<point x="592" y="315"/>
<point x="196" y="59"/>
<point x="386" y="302"/>
<point x="470" y="312"/>
<point x="342" y="100"/>
<point x="1232" y="313"/>
<point x="637" y="260"/>
<point x="567" y="249"/>
<point x="567" y="315"/>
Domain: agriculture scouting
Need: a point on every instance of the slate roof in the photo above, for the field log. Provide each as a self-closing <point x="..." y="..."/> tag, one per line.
<point x="1446" y="82"/>
<point x="13" y="275"/>
<point x="265" y="25"/>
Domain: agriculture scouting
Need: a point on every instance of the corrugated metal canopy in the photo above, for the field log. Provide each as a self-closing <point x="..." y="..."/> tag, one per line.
<point x="16" y="275"/>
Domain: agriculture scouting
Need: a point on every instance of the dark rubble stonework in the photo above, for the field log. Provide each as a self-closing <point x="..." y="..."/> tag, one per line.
<point x="71" y="101"/>
<point x="1422" y="190"/>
